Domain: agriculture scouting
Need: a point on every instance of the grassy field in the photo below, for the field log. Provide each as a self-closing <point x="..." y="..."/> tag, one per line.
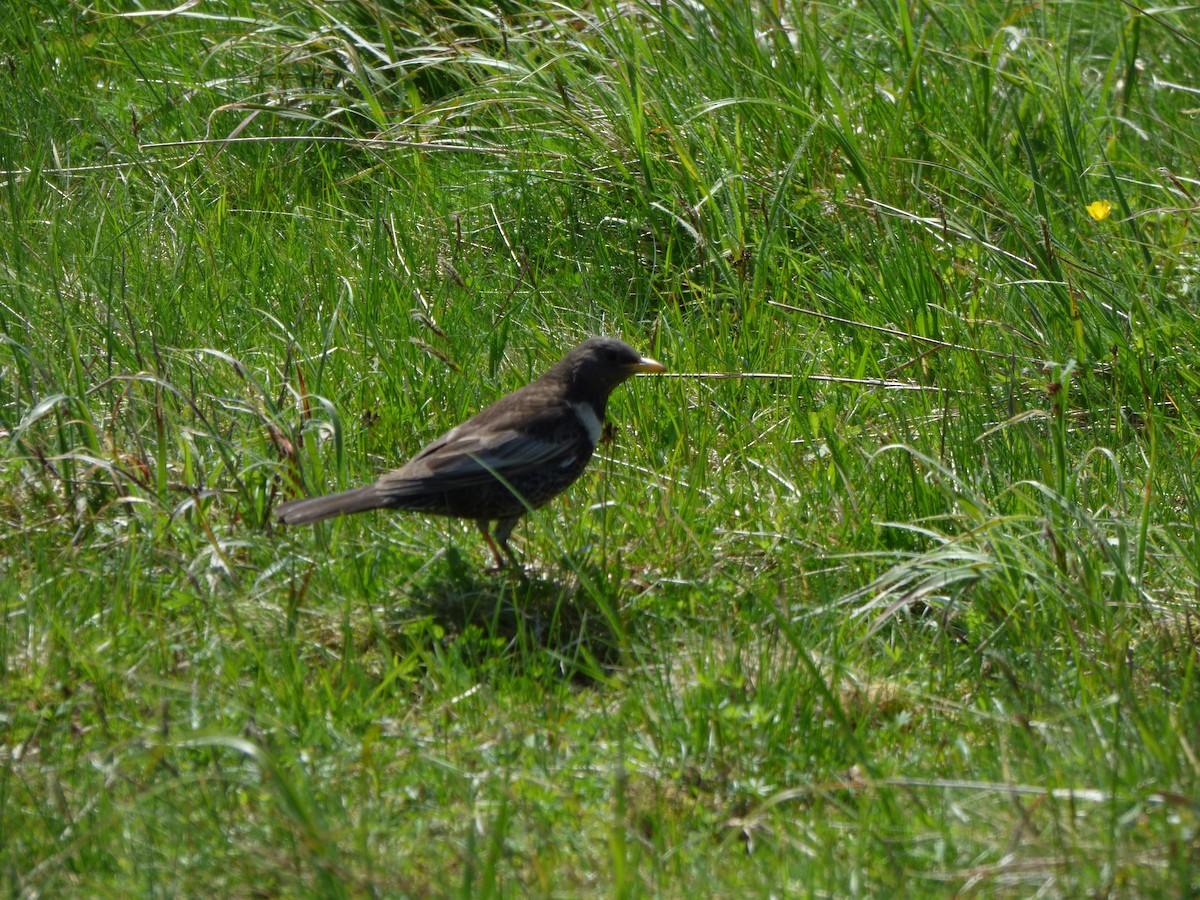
<point x="890" y="587"/>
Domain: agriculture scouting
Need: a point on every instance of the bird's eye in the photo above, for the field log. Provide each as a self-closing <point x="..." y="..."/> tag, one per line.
<point x="610" y="355"/>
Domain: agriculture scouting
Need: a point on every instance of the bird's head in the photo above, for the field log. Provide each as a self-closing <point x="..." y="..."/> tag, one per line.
<point x="598" y="365"/>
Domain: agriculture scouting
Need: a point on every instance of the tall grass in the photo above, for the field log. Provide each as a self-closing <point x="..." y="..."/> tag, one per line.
<point x="888" y="588"/>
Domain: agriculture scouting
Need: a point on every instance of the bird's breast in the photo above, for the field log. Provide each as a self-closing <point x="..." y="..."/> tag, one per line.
<point x="590" y="421"/>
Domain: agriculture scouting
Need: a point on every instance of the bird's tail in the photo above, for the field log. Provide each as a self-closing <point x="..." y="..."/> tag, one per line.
<point x="314" y="509"/>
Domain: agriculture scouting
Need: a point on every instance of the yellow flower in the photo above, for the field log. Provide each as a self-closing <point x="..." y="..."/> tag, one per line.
<point x="1099" y="209"/>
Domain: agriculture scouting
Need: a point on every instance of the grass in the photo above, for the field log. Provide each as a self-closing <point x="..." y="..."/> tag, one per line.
<point x="890" y="587"/>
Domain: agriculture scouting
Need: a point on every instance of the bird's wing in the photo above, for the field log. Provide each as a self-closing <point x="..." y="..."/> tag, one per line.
<point x="466" y="458"/>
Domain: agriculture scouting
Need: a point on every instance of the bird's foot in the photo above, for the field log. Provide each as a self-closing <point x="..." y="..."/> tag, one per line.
<point x="513" y="571"/>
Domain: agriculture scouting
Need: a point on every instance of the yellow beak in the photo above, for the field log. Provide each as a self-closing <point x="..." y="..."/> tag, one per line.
<point x="648" y="366"/>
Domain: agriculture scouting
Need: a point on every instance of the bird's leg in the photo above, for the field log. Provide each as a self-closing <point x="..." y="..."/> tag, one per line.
<point x="487" y="536"/>
<point x="504" y="528"/>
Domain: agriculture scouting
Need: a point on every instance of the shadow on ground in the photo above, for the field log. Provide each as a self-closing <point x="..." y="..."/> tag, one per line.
<point x="571" y="618"/>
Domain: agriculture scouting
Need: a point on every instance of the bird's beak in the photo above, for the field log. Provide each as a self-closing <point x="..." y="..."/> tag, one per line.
<point x="647" y="365"/>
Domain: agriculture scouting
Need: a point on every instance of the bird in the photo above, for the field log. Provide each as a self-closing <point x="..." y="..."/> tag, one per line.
<point x="508" y="459"/>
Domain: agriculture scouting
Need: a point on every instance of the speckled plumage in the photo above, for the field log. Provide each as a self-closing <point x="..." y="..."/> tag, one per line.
<point x="511" y="457"/>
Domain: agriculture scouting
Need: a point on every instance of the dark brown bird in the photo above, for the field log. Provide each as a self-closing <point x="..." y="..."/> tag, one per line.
<point x="506" y="460"/>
